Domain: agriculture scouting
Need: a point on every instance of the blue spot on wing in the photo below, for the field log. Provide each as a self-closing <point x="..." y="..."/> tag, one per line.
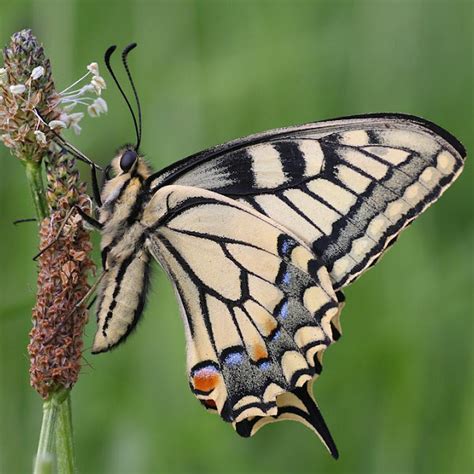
<point x="284" y="275"/>
<point x="276" y="335"/>
<point x="286" y="244"/>
<point x="284" y="310"/>
<point x="265" y="365"/>
<point x="285" y="247"/>
<point x="233" y="358"/>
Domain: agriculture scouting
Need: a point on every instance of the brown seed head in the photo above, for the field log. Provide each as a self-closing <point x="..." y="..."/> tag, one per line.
<point x="55" y="347"/>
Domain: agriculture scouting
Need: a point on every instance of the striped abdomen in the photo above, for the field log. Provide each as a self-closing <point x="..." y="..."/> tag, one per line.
<point x="122" y="292"/>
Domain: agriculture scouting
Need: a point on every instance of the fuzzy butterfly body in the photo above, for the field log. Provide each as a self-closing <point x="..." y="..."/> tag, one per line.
<point x="259" y="236"/>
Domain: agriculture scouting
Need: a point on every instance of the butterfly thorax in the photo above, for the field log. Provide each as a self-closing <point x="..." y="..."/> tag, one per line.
<point x="123" y="199"/>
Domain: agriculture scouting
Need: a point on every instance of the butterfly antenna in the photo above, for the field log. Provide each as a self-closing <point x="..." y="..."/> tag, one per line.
<point x="107" y="56"/>
<point x="125" y="53"/>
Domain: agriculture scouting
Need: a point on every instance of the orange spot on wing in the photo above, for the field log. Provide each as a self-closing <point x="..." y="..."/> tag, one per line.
<point x="259" y="352"/>
<point x="205" y="380"/>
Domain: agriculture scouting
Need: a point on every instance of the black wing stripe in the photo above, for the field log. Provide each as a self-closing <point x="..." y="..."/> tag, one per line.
<point x="292" y="159"/>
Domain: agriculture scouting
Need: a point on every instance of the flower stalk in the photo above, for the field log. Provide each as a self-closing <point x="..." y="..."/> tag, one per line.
<point x="35" y="181"/>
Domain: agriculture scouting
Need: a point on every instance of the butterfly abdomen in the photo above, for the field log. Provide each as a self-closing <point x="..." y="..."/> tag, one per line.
<point x="121" y="298"/>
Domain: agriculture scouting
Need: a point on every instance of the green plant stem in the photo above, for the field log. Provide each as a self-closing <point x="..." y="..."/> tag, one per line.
<point x="64" y="445"/>
<point x="56" y="431"/>
<point x="35" y="180"/>
<point x="56" y="426"/>
<point x="44" y="457"/>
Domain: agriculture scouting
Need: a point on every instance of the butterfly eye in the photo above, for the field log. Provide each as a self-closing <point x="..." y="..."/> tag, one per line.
<point x="127" y="160"/>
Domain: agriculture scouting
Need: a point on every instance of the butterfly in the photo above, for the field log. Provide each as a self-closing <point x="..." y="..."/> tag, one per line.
<point x="260" y="236"/>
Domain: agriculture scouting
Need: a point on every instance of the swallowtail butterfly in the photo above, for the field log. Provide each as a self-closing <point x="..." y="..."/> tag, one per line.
<point x="260" y="236"/>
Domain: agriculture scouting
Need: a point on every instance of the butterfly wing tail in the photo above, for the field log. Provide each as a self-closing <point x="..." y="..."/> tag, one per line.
<point x="298" y="405"/>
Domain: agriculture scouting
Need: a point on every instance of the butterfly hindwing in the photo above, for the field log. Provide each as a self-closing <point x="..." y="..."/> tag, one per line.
<point x="345" y="187"/>
<point x="257" y="305"/>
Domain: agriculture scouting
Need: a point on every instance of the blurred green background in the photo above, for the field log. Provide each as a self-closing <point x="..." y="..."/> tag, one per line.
<point x="397" y="389"/>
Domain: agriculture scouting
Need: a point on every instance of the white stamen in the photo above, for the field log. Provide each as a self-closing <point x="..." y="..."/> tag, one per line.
<point x="99" y="106"/>
<point x="102" y="105"/>
<point x="92" y="110"/>
<point x="98" y="83"/>
<point x="93" y="68"/>
<point x="76" y="117"/>
<point x="37" y="72"/>
<point x="77" y="129"/>
<point x="56" y="124"/>
<point x="40" y="137"/>
<point x="17" y="89"/>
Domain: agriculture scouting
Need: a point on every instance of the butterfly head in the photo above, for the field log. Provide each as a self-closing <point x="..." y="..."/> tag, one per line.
<point x="128" y="162"/>
<point x="125" y="175"/>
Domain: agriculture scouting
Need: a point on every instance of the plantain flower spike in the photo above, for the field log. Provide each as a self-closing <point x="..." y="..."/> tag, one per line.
<point x="30" y="107"/>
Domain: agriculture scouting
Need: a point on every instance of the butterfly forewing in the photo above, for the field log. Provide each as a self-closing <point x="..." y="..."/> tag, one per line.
<point x="257" y="303"/>
<point x="345" y="187"/>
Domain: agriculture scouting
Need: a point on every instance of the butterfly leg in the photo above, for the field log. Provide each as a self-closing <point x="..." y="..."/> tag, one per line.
<point x="89" y="293"/>
<point x="90" y="220"/>
<point x="20" y="221"/>
<point x="61" y="227"/>
<point x="95" y="184"/>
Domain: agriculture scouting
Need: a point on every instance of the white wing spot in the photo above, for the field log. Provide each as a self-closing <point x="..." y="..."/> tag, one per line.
<point x="338" y="197"/>
<point x="445" y="162"/>
<point x="314" y="210"/>
<point x="418" y="141"/>
<point x="313" y="156"/>
<point x="428" y="175"/>
<point x="341" y="266"/>
<point x="361" y="246"/>
<point x="291" y="362"/>
<point x="266" y="166"/>
<point x="377" y="226"/>
<point x="354" y="138"/>
<point x="414" y="192"/>
<point x="395" y="208"/>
